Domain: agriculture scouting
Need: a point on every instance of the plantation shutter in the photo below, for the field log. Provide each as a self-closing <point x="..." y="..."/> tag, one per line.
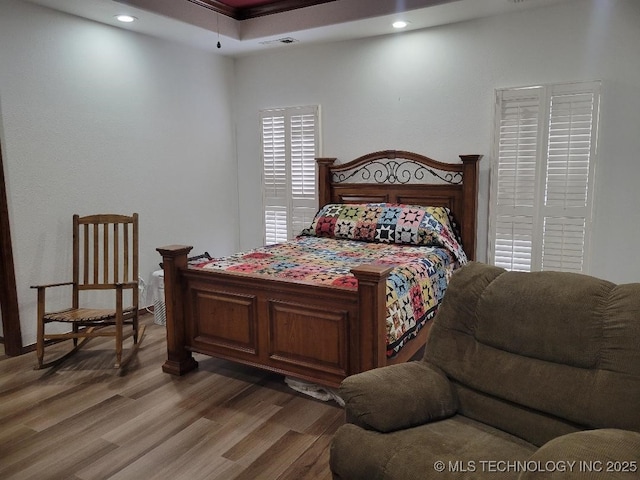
<point x="542" y="177"/>
<point x="303" y="170"/>
<point x="274" y="178"/>
<point x="519" y="119"/>
<point x="289" y="149"/>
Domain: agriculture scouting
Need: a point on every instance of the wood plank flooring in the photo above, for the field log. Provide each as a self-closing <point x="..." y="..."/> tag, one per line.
<point x="83" y="421"/>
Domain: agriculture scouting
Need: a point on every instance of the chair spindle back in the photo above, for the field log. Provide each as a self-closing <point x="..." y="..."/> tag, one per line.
<point x="105" y="250"/>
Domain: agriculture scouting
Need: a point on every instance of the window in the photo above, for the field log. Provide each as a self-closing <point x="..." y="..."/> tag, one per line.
<point x="290" y="140"/>
<point x="542" y="177"/>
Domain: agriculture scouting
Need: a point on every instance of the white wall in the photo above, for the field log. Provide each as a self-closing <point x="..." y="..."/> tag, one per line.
<point x="432" y="91"/>
<point x="96" y="119"/>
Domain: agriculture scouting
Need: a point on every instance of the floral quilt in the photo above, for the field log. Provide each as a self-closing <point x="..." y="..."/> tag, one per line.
<point x="415" y="286"/>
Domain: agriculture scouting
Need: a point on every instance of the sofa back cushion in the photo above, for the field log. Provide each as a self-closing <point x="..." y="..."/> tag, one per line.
<point x="540" y="354"/>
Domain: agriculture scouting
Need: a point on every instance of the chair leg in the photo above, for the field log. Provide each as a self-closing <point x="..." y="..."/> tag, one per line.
<point x="132" y="351"/>
<point x="40" y="343"/>
<point x="40" y="328"/>
<point x="135" y="328"/>
<point x="119" y="326"/>
<point x="118" y="346"/>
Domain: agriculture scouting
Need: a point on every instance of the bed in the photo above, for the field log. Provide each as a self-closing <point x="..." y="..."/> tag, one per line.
<point x="318" y="333"/>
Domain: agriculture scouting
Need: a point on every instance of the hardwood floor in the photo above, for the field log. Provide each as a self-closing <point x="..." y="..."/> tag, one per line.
<point x="81" y="420"/>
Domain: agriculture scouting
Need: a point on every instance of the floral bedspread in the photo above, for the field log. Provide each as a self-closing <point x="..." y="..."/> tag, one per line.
<point x="415" y="286"/>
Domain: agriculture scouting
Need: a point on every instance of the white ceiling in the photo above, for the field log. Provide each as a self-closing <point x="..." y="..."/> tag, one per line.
<point x="200" y="27"/>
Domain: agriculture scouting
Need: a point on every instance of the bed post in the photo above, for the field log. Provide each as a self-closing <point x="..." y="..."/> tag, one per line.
<point x="470" y="202"/>
<point x="179" y="359"/>
<point x="372" y="318"/>
<point x="324" y="180"/>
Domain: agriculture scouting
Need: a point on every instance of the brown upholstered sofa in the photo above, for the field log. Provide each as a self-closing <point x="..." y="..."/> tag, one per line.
<point x="525" y="376"/>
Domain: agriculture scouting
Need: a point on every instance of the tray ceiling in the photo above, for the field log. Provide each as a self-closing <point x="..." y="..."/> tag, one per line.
<point x="243" y="9"/>
<point x="251" y="26"/>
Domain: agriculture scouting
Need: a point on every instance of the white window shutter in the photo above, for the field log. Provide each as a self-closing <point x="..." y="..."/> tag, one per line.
<point x="518" y="149"/>
<point x="542" y="177"/>
<point x="274" y="178"/>
<point x="274" y="159"/>
<point x="569" y="151"/>
<point x="514" y="239"/>
<point x="514" y="187"/>
<point x="304" y="142"/>
<point x="563" y="244"/>
<point x="569" y="178"/>
<point x="290" y="145"/>
<point x="275" y="221"/>
<point x="303" y="154"/>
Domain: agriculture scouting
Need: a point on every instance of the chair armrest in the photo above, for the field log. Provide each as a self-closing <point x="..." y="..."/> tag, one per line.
<point x="610" y="453"/>
<point x="398" y="396"/>
<point x="52" y="285"/>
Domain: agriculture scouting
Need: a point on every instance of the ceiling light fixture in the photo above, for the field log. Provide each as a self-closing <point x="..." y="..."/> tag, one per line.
<point x="125" y="18"/>
<point x="400" y="24"/>
<point x="219" y="45"/>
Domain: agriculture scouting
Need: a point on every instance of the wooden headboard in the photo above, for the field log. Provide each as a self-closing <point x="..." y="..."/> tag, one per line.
<point x="396" y="176"/>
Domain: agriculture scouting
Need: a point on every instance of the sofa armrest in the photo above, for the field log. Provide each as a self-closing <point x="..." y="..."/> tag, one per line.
<point x="607" y="453"/>
<point x="398" y="396"/>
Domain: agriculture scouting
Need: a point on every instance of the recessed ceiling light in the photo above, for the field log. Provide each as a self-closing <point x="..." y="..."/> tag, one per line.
<point x="125" y="18"/>
<point x="400" y="24"/>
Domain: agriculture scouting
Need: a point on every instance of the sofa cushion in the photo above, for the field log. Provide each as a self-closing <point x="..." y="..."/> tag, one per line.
<point x="592" y="454"/>
<point x="412" y="454"/>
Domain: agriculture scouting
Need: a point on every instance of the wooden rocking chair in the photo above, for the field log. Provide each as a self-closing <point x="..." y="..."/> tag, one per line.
<point x="105" y="257"/>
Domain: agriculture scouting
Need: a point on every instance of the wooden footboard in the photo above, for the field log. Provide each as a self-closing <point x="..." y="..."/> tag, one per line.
<point x="317" y="333"/>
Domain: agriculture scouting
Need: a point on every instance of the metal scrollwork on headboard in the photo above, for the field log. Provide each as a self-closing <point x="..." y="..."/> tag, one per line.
<point x="395" y="172"/>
